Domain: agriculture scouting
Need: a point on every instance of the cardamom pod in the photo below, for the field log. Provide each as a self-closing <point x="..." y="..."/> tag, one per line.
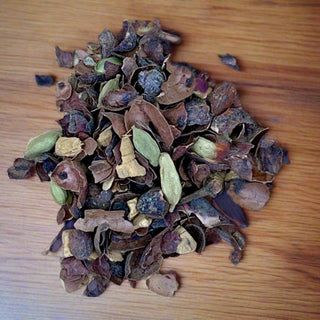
<point x="205" y="148"/>
<point x="170" y="181"/>
<point x="146" y="145"/>
<point x="59" y="195"/>
<point x="42" y="143"/>
<point x="112" y="84"/>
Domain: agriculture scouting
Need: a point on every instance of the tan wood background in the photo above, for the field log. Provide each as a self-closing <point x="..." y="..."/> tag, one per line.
<point x="277" y="44"/>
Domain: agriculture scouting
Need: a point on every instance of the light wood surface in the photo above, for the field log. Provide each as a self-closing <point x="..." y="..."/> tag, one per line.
<point x="277" y="44"/>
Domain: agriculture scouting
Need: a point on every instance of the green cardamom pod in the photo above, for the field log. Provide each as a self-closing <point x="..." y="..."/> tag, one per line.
<point x="99" y="68"/>
<point x="170" y="181"/>
<point x="146" y="145"/>
<point x="40" y="144"/>
<point x="59" y="195"/>
<point x="110" y="85"/>
<point x="205" y="148"/>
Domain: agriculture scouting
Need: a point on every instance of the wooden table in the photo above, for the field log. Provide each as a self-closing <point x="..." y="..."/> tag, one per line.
<point x="277" y="44"/>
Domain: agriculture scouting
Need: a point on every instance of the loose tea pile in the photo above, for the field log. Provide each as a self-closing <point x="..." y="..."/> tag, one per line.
<point x="154" y="159"/>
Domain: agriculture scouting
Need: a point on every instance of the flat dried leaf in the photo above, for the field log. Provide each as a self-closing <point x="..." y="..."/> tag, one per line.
<point x="73" y="273"/>
<point x="65" y="58"/>
<point x="21" y="169"/>
<point x="107" y="42"/>
<point x="97" y="286"/>
<point x="232" y="210"/>
<point x="179" y="86"/>
<point x="126" y="38"/>
<point x="249" y="195"/>
<point x="222" y="97"/>
<point x="146" y="112"/>
<point x="96" y="217"/>
<point x="101" y="170"/>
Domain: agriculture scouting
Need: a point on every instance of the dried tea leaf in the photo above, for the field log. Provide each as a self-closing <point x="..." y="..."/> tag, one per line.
<point x="77" y="243"/>
<point x="233" y="211"/>
<point x="163" y="284"/>
<point x="270" y="157"/>
<point x="146" y="112"/>
<point x="44" y="80"/>
<point x="96" y="217"/>
<point x="222" y="97"/>
<point x="126" y="39"/>
<point x="229" y="61"/>
<point x="179" y="86"/>
<point x="170" y="181"/>
<point x="41" y="144"/>
<point x="97" y="286"/>
<point x="170" y="242"/>
<point x="116" y="100"/>
<point x="146" y="145"/>
<point x="101" y="170"/>
<point x="249" y="195"/>
<point x="73" y="274"/>
<point x="107" y="42"/>
<point x="177" y="116"/>
<point x="198" y="112"/>
<point x="65" y="58"/>
<point x="21" y="169"/>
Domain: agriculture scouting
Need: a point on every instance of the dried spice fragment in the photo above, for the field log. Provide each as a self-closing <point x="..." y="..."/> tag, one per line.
<point x="163" y="284"/>
<point x="229" y="61"/>
<point x="44" y="80"/>
<point x="154" y="159"/>
<point x="65" y="58"/>
<point x="21" y="169"/>
<point x="95" y="217"/>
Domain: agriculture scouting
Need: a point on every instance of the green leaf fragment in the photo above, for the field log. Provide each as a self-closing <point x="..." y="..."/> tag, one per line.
<point x="146" y="145"/>
<point x="170" y="181"/>
<point x="99" y="68"/>
<point x="59" y="195"/>
<point x="42" y="143"/>
<point x="112" y="84"/>
<point x="205" y="148"/>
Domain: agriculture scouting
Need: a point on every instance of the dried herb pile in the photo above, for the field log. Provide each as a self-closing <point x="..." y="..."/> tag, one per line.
<point x="154" y="159"/>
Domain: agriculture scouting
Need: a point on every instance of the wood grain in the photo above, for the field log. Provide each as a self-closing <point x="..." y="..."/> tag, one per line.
<point x="277" y="44"/>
